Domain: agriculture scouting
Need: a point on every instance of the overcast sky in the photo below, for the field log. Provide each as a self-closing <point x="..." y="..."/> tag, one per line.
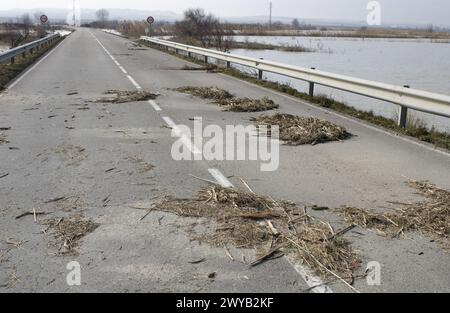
<point x="393" y="11"/>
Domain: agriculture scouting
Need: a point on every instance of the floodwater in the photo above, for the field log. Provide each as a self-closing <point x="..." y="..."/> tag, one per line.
<point x="420" y="63"/>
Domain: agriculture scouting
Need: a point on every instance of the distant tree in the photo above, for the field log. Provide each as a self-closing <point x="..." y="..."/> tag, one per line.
<point x="26" y="22"/>
<point x="296" y="24"/>
<point x="37" y="16"/>
<point x="204" y="29"/>
<point x="102" y="17"/>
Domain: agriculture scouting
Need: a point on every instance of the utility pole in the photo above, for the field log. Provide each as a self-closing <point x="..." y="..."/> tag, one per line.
<point x="270" y="15"/>
<point x="73" y="16"/>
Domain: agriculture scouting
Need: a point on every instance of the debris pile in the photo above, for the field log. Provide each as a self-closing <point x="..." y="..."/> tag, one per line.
<point x="247" y="104"/>
<point x="430" y="217"/>
<point x="68" y="232"/>
<point x="127" y="96"/>
<point x="273" y="228"/>
<point x="299" y="130"/>
<point x="211" y="93"/>
<point x="3" y="139"/>
<point x="226" y="100"/>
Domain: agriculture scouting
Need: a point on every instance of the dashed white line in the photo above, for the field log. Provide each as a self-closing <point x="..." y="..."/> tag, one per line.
<point x="131" y="79"/>
<point x="155" y="105"/>
<point x="220" y="178"/>
<point x="179" y="133"/>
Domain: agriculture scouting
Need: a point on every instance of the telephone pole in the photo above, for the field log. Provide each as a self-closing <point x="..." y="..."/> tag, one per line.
<point x="270" y="15"/>
<point x="73" y="16"/>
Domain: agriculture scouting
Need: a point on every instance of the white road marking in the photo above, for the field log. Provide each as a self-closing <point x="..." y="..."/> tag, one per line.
<point x="155" y="105"/>
<point x="131" y="79"/>
<point x="220" y="178"/>
<point x="314" y="282"/>
<point x="17" y="80"/>
<point x="177" y="131"/>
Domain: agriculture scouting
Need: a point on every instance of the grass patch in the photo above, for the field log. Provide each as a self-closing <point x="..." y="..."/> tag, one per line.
<point x="9" y="71"/>
<point x="430" y="135"/>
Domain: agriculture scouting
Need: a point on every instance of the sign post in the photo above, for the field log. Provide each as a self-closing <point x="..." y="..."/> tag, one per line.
<point x="150" y="21"/>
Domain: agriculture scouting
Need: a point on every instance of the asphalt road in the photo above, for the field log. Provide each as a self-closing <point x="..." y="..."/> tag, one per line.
<point x="60" y="149"/>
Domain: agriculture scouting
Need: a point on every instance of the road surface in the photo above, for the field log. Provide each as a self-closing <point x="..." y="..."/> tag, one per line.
<point x="57" y="149"/>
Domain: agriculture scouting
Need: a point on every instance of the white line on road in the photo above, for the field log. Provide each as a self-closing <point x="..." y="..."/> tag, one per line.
<point x="155" y="105"/>
<point x="220" y="178"/>
<point x="131" y="79"/>
<point x="179" y="133"/>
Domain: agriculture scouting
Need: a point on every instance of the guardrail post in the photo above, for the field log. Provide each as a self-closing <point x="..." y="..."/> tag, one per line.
<point x="403" y="114"/>
<point x="13" y="60"/>
<point x="189" y="54"/>
<point x="206" y="59"/>
<point x="228" y="64"/>
<point x="311" y="86"/>
<point x="260" y="72"/>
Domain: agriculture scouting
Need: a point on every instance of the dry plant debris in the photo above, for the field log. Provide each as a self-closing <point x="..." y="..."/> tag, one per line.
<point x="430" y="217"/>
<point x="211" y="93"/>
<point x="247" y="104"/>
<point x="248" y="220"/>
<point x="140" y="164"/>
<point x="226" y="100"/>
<point x="68" y="232"/>
<point x="3" y="139"/>
<point x="72" y="154"/>
<point x="127" y="96"/>
<point x="299" y="130"/>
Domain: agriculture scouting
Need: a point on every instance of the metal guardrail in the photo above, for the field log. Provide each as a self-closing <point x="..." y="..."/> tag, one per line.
<point x="10" y="55"/>
<point x="405" y="97"/>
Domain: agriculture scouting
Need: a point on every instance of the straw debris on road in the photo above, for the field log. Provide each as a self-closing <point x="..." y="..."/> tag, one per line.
<point x="211" y="93"/>
<point x="247" y="104"/>
<point x="300" y="130"/>
<point x="430" y="217"/>
<point x="229" y="102"/>
<point x="127" y="96"/>
<point x="3" y="139"/>
<point x="247" y="220"/>
<point x="68" y="232"/>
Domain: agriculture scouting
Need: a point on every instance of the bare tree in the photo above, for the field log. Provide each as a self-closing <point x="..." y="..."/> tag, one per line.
<point x="102" y="16"/>
<point x="296" y="24"/>
<point x="199" y="28"/>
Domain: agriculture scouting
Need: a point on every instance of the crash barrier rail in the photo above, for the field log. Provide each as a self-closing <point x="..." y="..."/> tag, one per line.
<point x="11" y="54"/>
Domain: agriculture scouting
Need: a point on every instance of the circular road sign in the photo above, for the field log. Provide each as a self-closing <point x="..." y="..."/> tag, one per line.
<point x="150" y="20"/>
<point x="44" y="19"/>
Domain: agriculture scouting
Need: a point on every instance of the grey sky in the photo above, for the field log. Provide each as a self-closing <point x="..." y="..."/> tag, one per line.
<point x="393" y="11"/>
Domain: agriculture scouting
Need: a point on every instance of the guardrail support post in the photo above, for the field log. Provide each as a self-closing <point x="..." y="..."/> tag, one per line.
<point x="260" y="74"/>
<point x="206" y="59"/>
<point x="228" y="64"/>
<point x="13" y="60"/>
<point x="190" y="54"/>
<point x="403" y="114"/>
<point x="311" y="86"/>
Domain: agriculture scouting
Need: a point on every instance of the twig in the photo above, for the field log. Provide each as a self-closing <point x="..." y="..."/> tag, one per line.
<point x="228" y="253"/>
<point x="271" y="255"/>
<point x="341" y="232"/>
<point x="34" y="213"/>
<point x="205" y="180"/>
<point x="274" y="231"/>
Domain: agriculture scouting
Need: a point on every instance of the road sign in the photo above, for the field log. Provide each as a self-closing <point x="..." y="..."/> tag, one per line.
<point x="150" y="20"/>
<point x="44" y="19"/>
